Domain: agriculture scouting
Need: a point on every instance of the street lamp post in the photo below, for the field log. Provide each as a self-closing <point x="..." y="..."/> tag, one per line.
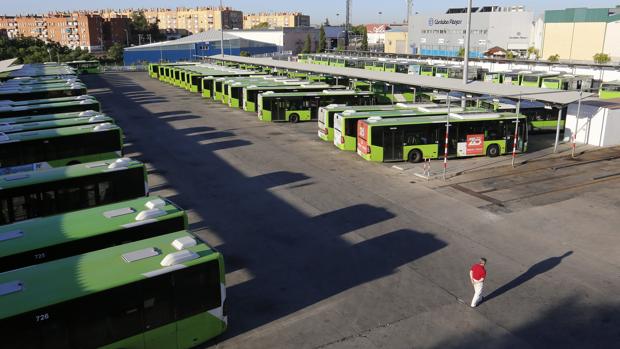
<point x="467" y="39"/>
<point x="222" y="28"/>
<point x="126" y="36"/>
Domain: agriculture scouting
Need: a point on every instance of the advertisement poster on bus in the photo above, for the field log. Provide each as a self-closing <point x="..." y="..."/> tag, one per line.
<point x="362" y="136"/>
<point x="473" y="146"/>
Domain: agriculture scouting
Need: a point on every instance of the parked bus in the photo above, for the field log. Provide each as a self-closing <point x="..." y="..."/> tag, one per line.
<point x="513" y="77"/>
<point x="250" y="93"/>
<point x="36" y="241"/>
<point x="568" y="82"/>
<point x="33" y="194"/>
<point x="535" y="79"/>
<point x="609" y="90"/>
<point x="345" y="124"/>
<point x="304" y="106"/>
<point x="327" y="113"/>
<point x="42" y="91"/>
<point x="428" y="70"/>
<point x="418" y="138"/>
<point x="164" y="292"/>
<point x="50" y="117"/>
<point x="9" y="103"/>
<point x="234" y="87"/>
<point x="539" y="117"/>
<point x="212" y="84"/>
<point x="24" y="151"/>
<point x="494" y="77"/>
<point x="49" y="124"/>
<point x="49" y="108"/>
<point x="85" y="67"/>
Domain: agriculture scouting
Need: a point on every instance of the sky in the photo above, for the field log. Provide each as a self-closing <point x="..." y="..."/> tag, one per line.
<point x="366" y="11"/>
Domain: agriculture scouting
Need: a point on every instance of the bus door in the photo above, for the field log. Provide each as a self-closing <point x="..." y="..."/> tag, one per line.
<point x="392" y="144"/>
<point x="278" y="110"/>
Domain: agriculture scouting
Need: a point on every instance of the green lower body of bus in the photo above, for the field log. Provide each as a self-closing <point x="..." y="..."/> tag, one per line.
<point x="608" y="94"/>
<point x="185" y="333"/>
<point x="530" y="84"/>
<point x="346" y="143"/>
<point x="234" y="102"/>
<point x="429" y="151"/>
<point x="546" y="125"/>
<point x="326" y="134"/>
<point x="218" y="96"/>
<point x="301" y="115"/>
<point x="339" y="65"/>
<point x="250" y="106"/>
<point x="206" y="93"/>
<point x="427" y="74"/>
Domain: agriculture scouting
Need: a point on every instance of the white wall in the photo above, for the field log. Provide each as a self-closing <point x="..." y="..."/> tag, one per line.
<point x="612" y="40"/>
<point x="598" y="123"/>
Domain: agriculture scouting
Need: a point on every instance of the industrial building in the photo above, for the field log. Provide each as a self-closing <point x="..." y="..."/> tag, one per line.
<point x="577" y="34"/>
<point x="443" y="34"/>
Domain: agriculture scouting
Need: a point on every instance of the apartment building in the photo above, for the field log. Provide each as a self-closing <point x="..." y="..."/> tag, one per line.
<point x="276" y="20"/>
<point x="185" y="21"/>
<point x="75" y="29"/>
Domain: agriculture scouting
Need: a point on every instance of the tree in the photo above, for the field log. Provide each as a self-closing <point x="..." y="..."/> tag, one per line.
<point x="461" y="52"/>
<point x="601" y="58"/>
<point x="554" y="58"/>
<point x="244" y="54"/>
<point x="322" y="40"/>
<point x="533" y="51"/>
<point x="261" y="25"/>
<point x="140" y="25"/>
<point x="32" y="50"/>
<point x="307" y="44"/>
<point x="510" y="55"/>
<point x="115" y="53"/>
<point x="364" y="45"/>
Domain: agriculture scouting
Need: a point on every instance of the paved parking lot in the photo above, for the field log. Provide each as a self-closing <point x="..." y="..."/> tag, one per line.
<point x="325" y="250"/>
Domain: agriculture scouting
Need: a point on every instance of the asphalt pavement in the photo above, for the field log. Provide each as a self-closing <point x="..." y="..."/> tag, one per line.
<point x="326" y="250"/>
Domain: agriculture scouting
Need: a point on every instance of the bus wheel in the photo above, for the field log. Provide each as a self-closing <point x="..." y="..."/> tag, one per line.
<point x="415" y="156"/>
<point x="293" y="118"/>
<point x="493" y="150"/>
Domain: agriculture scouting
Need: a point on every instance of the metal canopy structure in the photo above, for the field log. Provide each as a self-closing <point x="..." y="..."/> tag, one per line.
<point x="549" y="96"/>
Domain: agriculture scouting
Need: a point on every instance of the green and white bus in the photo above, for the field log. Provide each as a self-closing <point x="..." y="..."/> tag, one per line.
<point x="212" y="85"/>
<point x="233" y="87"/>
<point x="8" y="111"/>
<point x="609" y="90"/>
<point x="539" y="117"/>
<point x="10" y="103"/>
<point x="23" y="151"/>
<point x="250" y="93"/>
<point x="45" y="239"/>
<point x="159" y="293"/>
<point x="49" y="124"/>
<point x="304" y="106"/>
<point x="85" y="67"/>
<point x="418" y="138"/>
<point x="58" y="190"/>
<point x="568" y="82"/>
<point x="327" y="113"/>
<point x="49" y="117"/>
<point x="345" y="124"/>
<point x="535" y="79"/>
<point x="40" y="91"/>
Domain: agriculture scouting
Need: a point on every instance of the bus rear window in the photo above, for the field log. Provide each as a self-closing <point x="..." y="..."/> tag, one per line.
<point x="530" y="78"/>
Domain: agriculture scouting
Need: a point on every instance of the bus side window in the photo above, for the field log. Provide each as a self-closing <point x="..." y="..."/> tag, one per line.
<point x="377" y="136"/>
<point x="103" y="191"/>
<point x="20" y="210"/>
<point x="5" y="214"/>
<point x="123" y="308"/>
<point x="157" y="301"/>
<point x="87" y="325"/>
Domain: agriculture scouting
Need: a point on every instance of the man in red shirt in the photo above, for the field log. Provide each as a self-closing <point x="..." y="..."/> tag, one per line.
<point x="477" y="274"/>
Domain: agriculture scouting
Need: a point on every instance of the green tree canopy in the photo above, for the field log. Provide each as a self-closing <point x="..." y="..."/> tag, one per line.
<point x="554" y="58"/>
<point x="307" y="45"/>
<point x="601" y="58"/>
<point x="261" y="25"/>
<point x="364" y="45"/>
<point x="322" y="40"/>
<point x="31" y="50"/>
<point x="115" y="53"/>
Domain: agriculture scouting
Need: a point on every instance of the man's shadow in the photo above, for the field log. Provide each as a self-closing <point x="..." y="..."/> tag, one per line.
<point x="535" y="270"/>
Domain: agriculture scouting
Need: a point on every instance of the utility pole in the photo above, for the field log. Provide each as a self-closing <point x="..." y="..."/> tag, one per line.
<point x="222" y="29"/>
<point x="347" y="25"/>
<point x="467" y="37"/>
<point x="409" y="9"/>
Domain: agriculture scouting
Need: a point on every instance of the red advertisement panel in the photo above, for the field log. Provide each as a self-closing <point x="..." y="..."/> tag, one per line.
<point x="475" y="144"/>
<point x="362" y="136"/>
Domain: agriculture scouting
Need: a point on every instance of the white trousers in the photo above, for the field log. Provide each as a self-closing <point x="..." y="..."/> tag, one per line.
<point x="478" y="286"/>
